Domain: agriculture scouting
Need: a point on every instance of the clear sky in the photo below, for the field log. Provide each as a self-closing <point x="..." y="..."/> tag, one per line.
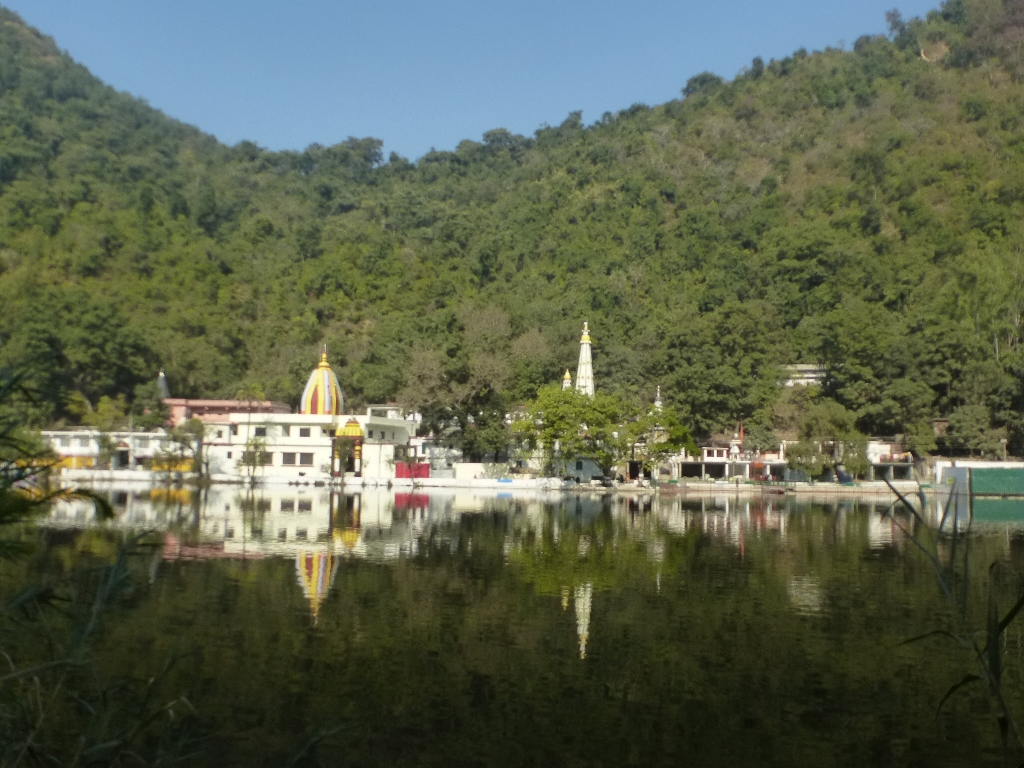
<point x="420" y="74"/>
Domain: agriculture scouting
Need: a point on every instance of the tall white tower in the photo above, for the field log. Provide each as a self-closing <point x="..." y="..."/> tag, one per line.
<point x="585" y="368"/>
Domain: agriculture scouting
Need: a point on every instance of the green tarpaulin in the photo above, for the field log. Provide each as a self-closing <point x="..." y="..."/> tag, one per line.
<point x="997" y="482"/>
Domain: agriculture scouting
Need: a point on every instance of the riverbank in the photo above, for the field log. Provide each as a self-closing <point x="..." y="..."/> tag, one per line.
<point x="812" y="491"/>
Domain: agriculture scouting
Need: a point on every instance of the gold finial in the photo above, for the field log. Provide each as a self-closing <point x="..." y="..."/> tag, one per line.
<point x="323" y="354"/>
<point x="568" y="376"/>
<point x="585" y="338"/>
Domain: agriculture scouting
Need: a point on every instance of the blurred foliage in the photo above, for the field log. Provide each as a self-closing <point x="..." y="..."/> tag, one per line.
<point x="859" y="209"/>
<point x="25" y="464"/>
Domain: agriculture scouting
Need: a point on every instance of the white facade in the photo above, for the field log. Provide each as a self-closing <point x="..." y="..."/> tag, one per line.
<point x="803" y="375"/>
<point x="296" y="447"/>
<point x="81" y="448"/>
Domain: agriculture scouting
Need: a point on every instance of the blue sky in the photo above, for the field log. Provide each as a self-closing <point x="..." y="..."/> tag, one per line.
<point x="426" y="74"/>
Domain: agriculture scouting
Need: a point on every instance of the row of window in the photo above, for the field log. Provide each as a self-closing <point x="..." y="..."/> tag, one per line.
<point x="287" y="505"/>
<point x="81" y="442"/>
<point x="301" y="534"/>
<point x="301" y="505"/>
<point x="265" y="458"/>
<point x="85" y="442"/>
<point x="286" y="431"/>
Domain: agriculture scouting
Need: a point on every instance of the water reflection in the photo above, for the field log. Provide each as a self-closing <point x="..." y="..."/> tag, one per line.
<point x="564" y="545"/>
<point x="460" y="628"/>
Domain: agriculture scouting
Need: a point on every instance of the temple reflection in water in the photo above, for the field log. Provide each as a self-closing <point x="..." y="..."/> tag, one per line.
<point x="569" y="547"/>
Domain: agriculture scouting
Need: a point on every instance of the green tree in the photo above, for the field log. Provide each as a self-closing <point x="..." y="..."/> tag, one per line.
<point x="970" y="427"/>
<point x="564" y="424"/>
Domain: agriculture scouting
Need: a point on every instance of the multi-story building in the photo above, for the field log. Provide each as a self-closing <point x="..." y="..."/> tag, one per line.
<point x="318" y="443"/>
<point x="305" y="446"/>
<point x="88" y="448"/>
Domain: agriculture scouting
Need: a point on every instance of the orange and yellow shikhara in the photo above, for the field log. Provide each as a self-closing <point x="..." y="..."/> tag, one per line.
<point x="322" y="394"/>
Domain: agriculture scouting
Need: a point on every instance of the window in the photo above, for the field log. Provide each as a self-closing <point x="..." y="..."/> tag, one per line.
<point x="220" y="434"/>
<point x="288" y="459"/>
<point x="65" y="442"/>
<point x="83" y="442"/>
<point x="262" y="458"/>
<point x="282" y="534"/>
<point x="392" y="435"/>
<point x="263" y="505"/>
<point x="234" y="430"/>
<point x="306" y="459"/>
<point x="229" y="533"/>
<point x="303" y="431"/>
<point x="300" y="533"/>
<point x="305" y="505"/>
<point x="259" y="432"/>
<point x="287" y="505"/>
<point x="285" y="430"/>
<point x="579" y="465"/>
<point x="369" y="434"/>
<point x="229" y="454"/>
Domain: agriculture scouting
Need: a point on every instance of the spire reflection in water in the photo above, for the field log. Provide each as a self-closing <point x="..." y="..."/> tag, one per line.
<point x="436" y="625"/>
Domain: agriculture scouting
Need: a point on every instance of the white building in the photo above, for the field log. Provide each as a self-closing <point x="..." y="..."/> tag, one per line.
<point x="84" y="447"/>
<point x="302" y="446"/>
<point x="319" y="443"/>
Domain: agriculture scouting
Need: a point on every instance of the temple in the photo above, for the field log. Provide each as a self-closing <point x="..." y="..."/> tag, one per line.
<point x="320" y="442"/>
<point x="585" y="367"/>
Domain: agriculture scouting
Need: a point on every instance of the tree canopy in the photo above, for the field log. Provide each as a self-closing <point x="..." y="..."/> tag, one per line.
<point x="855" y="208"/>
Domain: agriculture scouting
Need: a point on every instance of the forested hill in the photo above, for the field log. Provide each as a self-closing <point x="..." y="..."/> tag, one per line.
<point x="855" y="208"/>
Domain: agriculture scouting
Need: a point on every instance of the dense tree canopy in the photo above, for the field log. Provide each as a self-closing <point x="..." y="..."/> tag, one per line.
<point x="856" y="208"/>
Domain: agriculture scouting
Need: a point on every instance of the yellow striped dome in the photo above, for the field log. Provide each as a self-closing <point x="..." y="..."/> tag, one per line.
<point x="322" y="393"/>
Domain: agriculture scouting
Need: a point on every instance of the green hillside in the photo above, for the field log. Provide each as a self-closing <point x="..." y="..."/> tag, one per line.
<point x="855" y="208"/>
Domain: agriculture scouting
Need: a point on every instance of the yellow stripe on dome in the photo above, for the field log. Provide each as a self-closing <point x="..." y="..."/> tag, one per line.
<point x="322" y="394"/>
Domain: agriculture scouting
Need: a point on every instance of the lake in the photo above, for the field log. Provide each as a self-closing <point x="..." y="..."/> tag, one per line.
<point x="296" y="626"/>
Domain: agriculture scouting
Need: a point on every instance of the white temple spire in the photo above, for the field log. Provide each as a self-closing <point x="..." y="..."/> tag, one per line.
<point x="657" y="398"/>
<point x="585" y="368"/>
<point x="567" y="380"/>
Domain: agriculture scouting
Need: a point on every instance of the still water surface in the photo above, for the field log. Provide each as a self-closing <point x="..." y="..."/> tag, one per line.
<point x="384" y="629"/>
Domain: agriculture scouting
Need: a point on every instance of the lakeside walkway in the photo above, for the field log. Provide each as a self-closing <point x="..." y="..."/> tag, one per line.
<point x="811" y="491"/>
